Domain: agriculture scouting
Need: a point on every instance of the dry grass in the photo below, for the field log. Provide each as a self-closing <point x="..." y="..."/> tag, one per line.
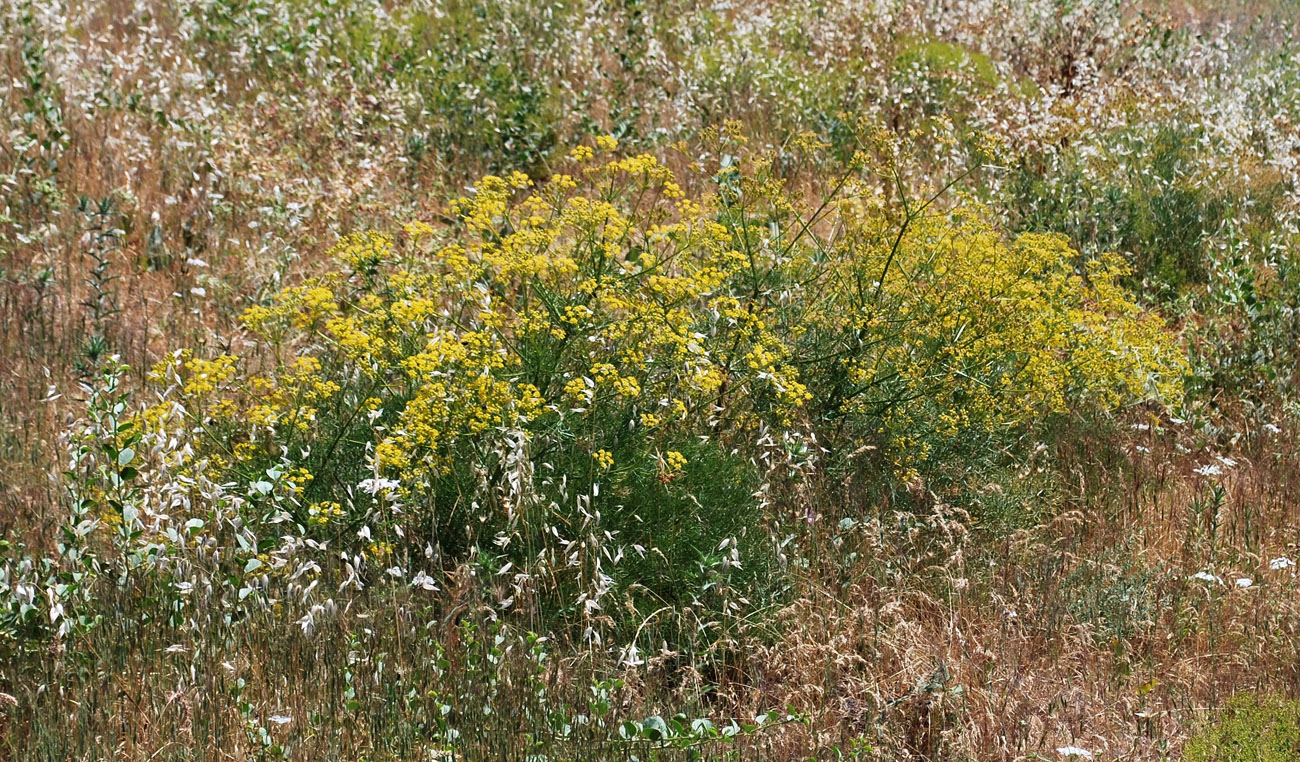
<point x="913" y="631"/>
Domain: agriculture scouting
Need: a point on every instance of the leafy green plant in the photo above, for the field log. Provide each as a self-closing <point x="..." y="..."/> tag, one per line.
<point x="57" y="594"/>
<point x="1253" y="727"/>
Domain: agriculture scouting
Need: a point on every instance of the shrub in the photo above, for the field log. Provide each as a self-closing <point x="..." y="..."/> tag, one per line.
<point x="1148" y="193"/>
<point x="591" y="382"/>
<point x="1252" y="728"/>
<point x="942" y="77"/>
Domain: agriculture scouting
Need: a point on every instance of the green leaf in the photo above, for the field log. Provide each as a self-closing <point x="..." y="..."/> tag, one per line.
<point x="654" y="728"/>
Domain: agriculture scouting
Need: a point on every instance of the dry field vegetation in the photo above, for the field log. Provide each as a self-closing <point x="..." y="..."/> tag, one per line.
<point x="649" y="379"/>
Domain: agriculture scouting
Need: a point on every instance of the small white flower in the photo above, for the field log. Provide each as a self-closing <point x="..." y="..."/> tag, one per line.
<point x="375" y="486"/>
<point x="1205" y="576"/>
<point x="1270" y="428"/>
<point x="1209" y="469"/>
<point x="1281" y="562"/>
<point x="199" y="291"/>
<point x="632" y="657"/>
<point x="425" y="581"/>
<point x="280" y="719"/>
<point x="1074" y="751"/>
<point x="1244" y="582"/>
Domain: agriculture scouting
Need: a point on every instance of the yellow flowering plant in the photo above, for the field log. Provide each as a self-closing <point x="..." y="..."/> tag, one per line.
<point x="586" y="376"/>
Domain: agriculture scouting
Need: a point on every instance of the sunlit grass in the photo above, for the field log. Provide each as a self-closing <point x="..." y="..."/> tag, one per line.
<point x="659" y="380"/>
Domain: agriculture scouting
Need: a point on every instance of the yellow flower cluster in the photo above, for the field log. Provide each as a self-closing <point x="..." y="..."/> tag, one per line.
<point x="292" y="397"/>
<point x="205" y="376"/>
<point x="322" y="513"/>
<point x="968" y="333"/>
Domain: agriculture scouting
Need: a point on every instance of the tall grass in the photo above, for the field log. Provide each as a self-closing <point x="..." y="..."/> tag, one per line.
<point x="851" y="542"/>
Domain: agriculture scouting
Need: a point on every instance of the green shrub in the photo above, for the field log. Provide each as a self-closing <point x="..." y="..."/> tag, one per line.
<point x="941" y="74"/>
<point x="1146" y="193"/>
<point x="1252" y="728"/>
<point x="591" y="382"/>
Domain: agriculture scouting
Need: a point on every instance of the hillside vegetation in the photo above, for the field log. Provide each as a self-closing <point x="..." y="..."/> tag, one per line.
<point x="649" y="379"/>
